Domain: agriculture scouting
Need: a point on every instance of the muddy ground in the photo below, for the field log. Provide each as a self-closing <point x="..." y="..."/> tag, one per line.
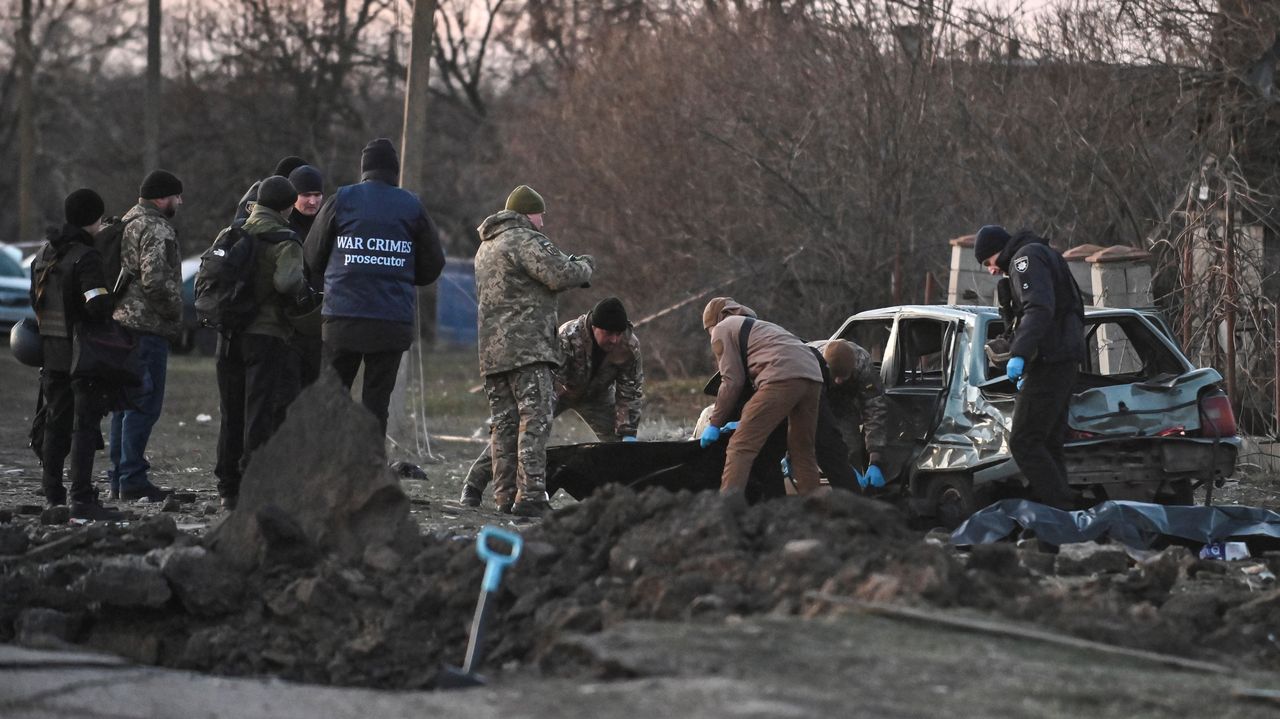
<point x="591" y="569"/>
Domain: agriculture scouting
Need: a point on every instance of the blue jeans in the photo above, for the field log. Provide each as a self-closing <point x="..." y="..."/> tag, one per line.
<point x="131" y="429"/>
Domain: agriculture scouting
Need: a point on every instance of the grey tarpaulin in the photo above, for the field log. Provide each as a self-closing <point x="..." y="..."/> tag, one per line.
<point x="1135" y="524"/>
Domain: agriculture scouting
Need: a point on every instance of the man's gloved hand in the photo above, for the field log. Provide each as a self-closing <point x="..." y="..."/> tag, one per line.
<point x="862" y="478"/>
<point x="709" y="436"/>
<point x="874" y="476"/>
<point x="629" y="438"/>
<point x="1014" y="370"/>
<point x="786" y="464"/>
<point x="729" y="426"/>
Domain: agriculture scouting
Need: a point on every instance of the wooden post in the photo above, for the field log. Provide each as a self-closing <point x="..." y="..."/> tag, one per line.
<point x="1229" y="242"/>
<point x="28" y="226"/>
<point x="413" y="177"/>
<point x="1188" y="277"/>
<point x="151" y="122"/>
<point x="897" y="275"/>
<point x="413" y="138"/>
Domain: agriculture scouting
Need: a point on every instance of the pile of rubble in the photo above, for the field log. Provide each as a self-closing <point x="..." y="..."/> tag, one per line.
<point x="391" y="619"/>
<point x="320" y="576"/>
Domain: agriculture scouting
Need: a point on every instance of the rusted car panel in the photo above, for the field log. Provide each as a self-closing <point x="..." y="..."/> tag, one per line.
<point x="1137" y="421"/>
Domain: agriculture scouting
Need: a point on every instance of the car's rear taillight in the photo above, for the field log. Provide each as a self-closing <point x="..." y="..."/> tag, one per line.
<point x="1216" y="417"/>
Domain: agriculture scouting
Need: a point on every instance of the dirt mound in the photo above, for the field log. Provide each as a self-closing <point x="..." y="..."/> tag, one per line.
<point x="390" y="619"/>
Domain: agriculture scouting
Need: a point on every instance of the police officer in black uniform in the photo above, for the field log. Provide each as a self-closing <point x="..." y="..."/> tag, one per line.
<point x="370" y="245"/>
<point x="68" y="288"/>
<point x="1045" y="352"/>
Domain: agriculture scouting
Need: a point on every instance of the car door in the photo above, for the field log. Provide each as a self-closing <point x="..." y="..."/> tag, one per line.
<point x="916" y="357"/>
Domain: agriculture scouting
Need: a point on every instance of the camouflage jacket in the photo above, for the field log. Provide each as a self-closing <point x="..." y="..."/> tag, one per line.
<point x="518" y="275"/>
<point x="152" y="301"/>
<point x="618" y="381"/>
<point x="859" y="403"/>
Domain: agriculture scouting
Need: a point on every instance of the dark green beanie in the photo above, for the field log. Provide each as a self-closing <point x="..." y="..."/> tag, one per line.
<point x="525" y="201"/>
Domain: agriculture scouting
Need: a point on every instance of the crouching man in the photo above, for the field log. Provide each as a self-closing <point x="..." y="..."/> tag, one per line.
<point x="601" y="378"/>
<point x="785" y="383"/>
<point x="852" y="418"/>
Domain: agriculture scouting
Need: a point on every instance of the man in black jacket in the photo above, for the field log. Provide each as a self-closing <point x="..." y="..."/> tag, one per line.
<point x="371" y="244"/>
<point x="302" y="363"/>
<point x="67" y="289"/>
<point x="1045" y="352"/>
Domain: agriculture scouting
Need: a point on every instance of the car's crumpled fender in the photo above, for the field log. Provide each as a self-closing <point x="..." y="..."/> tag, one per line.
<point x="1143" y="408"/>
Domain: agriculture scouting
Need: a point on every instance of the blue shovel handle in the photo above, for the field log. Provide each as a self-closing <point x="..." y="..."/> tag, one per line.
<point x="496" y="561"/>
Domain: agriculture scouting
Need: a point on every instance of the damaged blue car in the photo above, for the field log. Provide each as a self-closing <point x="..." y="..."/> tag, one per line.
<point x="1145" y="423"/>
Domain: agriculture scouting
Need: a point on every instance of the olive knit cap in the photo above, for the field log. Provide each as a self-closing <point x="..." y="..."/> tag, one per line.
<point x="526" y="201"/>
<point x="840" y="358"/>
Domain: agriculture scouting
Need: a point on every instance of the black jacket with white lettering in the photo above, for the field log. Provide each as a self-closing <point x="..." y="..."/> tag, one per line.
<point x="1047" y="299"/>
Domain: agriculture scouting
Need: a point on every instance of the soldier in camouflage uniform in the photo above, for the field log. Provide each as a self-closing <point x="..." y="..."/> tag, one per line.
<point x="852" y="427"/>
<point x="518" y="276"/>
<point x="602" y="379"/>
<point x="149" y="302"/>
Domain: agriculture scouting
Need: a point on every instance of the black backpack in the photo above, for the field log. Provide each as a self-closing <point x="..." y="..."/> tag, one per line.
<point x="224" y="282"/>
<point x="108" y="242"/>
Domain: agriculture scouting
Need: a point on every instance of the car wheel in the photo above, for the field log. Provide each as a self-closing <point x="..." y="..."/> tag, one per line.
<point x="950" y="499"/>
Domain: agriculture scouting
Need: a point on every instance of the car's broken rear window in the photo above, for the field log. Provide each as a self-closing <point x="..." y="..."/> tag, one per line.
<point x="1123" y="349"/>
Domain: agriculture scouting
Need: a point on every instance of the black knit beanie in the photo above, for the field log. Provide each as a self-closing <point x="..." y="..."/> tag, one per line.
<point x="158" y="184"/>
<point x="276" y="193"/>
<point x="83" y="207"/>
<point x="379" y="154"/>
<point x="287" y="165"/>
<point x="989" y="241"/>
<point x="609" y="315"/>
<point x="306" y="179"/>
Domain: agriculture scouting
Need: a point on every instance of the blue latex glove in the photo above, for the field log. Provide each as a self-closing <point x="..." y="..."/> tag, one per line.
<point x="629" y="439"/>
<point x="874" y="476"/>
<point x="709" y="436"/>
<point x="786" y="464"/>
<point x="1014" y="369"/>
<point x="862" y="478"/>
<point x="730" y="426"/>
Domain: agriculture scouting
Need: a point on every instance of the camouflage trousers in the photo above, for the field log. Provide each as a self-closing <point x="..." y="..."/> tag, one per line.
<point x="600" y="414"/>
<point x="520" y="407"/>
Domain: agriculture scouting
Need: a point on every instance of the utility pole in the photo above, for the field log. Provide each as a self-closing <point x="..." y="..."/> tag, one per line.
<point x="27" y="225"/>
<point x="413" y="138"/>
<point x="151" y="129"/>
<point x="413" y="177"/>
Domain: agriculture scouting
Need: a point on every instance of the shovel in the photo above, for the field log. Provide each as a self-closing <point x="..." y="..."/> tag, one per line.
<point x="495" y="561"/>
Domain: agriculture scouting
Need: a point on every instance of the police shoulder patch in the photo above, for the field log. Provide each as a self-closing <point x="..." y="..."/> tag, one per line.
<point x="1021" y="264"/>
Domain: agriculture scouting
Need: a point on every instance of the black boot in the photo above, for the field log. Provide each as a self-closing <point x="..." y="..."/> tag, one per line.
<point x="94" y="511"/>
<point x="470" y="496"/>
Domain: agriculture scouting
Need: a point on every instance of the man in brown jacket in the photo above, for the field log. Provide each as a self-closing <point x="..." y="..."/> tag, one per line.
<point x="787" y="382"/>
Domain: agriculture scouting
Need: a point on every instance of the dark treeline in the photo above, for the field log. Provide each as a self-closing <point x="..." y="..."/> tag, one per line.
<point x="788" y="153"/>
